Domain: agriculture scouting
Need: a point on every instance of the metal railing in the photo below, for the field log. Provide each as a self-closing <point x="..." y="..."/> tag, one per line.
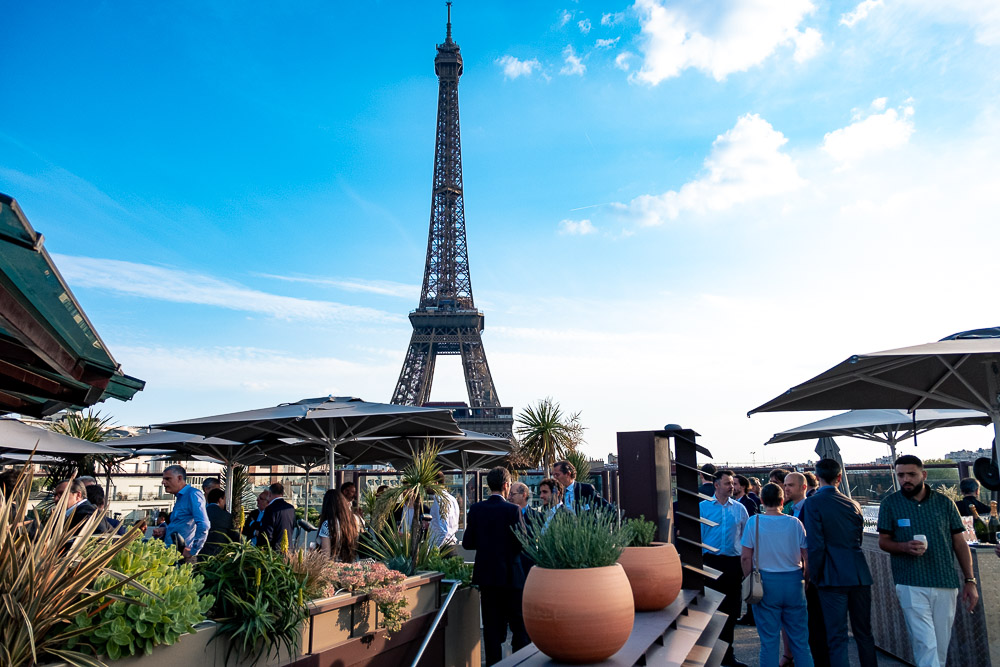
<point x="437" y="619"/>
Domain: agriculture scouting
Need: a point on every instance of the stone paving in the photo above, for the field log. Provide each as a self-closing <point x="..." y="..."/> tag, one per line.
<point x="747" y="648"/>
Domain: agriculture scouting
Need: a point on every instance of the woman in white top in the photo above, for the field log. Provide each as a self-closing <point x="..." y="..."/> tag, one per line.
<point x="338" y="528"/>
<point x="778" y="542"/>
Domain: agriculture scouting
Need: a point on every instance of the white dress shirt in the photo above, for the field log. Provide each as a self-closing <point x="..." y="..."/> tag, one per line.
<point x="726" y="536"/>
<point x="443" y="529"/>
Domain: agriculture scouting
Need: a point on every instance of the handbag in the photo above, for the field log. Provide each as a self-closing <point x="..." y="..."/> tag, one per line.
<point x="753" y="585"/>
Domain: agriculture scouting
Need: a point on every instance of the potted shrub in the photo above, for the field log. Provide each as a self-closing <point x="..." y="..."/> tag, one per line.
<point x="653" y="568"/>
<point x="577" y="603"/>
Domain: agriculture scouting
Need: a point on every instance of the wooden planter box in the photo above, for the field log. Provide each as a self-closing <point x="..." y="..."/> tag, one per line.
<point x="462" y="636"/>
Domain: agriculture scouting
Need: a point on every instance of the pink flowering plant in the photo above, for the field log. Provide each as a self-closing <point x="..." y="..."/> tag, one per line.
<point x="383" y="586"/>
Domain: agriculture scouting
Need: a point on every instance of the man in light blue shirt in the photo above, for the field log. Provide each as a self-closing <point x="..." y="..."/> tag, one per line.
<point x="730" y="517"/>
<point x="189" y="518"/>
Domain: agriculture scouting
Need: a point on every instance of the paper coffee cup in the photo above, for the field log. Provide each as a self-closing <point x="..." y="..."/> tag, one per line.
<point x="921" y="538"/>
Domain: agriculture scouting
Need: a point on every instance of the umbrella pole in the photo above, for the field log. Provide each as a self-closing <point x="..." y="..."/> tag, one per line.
<point x="230" y="475"/>
<point x="333" y="479"/>
<point x="995" y="416"/>
<point x="305" y="515"/>
<point x="465" y="490"/>
<point x="892" y="465"/>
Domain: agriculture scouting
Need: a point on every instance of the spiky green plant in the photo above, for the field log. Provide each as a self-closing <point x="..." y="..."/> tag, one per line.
<point x="89" y="426"/>
<point x="580" y="462"/>
<point x="384" y="542"/>
<point x="570" y="540"/>
<point x="417" y="484"/>
<point x="47" y="578"/>
<point x="369" y="503"/>
<point x="638" y="532"/>
<point x="545" y="433"/>
<point x="242" y="491"/>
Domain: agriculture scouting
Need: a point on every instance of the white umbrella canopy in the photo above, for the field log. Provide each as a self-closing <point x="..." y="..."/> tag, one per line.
<point x="328" y="421"/>
<point x="20" y="438"/>
<point x="961" y="371"/>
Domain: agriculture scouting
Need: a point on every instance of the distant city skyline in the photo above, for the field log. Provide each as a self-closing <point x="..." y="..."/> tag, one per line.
<point x="675" y="211"/>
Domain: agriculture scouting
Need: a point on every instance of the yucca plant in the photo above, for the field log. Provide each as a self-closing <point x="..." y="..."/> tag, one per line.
<point x="417" y="484"/>
<point x="46" y="579"/>
<point x="383" y="541"/>
<point x="89" y="426"/>
<point x="580" y="462"/>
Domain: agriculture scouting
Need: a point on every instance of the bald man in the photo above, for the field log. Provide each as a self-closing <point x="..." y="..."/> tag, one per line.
<point x="795" y="493"/>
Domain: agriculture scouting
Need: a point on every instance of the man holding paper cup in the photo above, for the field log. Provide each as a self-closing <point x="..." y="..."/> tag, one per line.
<point x="923" y="533"/>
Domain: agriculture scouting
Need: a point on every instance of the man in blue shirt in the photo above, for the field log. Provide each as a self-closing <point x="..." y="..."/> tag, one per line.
<point x="189" y="518"/>
<point x="729" y="518"/>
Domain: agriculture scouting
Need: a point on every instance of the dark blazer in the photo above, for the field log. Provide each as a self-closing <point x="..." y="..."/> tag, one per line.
<point x="279" y="517"/>
<point x="490" y="533"/>
<point x="220" y="530"/>
<point x="533" y="520"/>
<point x="84" y="511"/>
<point x="834" y="530"/>
<point x="586" y="494"/>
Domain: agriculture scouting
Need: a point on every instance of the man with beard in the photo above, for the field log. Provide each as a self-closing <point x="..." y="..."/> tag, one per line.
<point x="927" y="584"/>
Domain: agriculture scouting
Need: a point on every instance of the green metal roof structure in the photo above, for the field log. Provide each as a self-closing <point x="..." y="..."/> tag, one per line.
<point x="51" y="358"/>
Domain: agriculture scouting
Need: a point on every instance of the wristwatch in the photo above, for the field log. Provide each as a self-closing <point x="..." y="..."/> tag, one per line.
<point x="970" y="580"/>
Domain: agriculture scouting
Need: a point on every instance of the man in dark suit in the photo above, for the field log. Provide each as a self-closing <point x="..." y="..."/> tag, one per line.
<point x="837" y="566"/>
<point x="577" y="495"/>
<point x="78" y="508"/>
<point x="278" y="519"/>
<point x="490" y="533"/>
<point x="221" y="531"/>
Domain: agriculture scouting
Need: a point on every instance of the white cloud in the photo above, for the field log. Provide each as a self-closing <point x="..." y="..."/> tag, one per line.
<point x="573" y="63"/>
<point x="381" y="287"/>
<point x="877" y="133"/>
<point x="606" y="43"/>
<point x="878" y="104"/>
<point x="860" y="12"/>
<point x="746" y="163"/>
<point x="717" y="41"/>
<point x="611" y="19"/>
<point x="167" y="284"/>
<point x="513" y="67"/>
<point x="576" y="227"/>
<point x="622" y="60"/>
<point x="807" y="44"/>
<point x="584" y="26"/>
<point x="565" y="18"/>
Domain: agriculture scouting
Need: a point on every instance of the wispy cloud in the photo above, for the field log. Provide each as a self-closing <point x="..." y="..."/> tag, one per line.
<point x="611" y="19"/>
<point x="622" y="60"/>
<point x="576" y="227"/>
<point x="606" y="43"/>
<point x="168" y="284"/>
<point x="860" y="13"/>
<point x="382" y="287"/>
<point x="746" y="163"/>
<point x="870" y="135"/>
<point x="514" y="67"/>
<point x="584" y="26"/>
<point x="565" y="17"/>
<point x="573" y="66"/>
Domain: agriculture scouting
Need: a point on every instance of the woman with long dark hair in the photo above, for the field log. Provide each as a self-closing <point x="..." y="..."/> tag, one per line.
<point x="338" y="528"/>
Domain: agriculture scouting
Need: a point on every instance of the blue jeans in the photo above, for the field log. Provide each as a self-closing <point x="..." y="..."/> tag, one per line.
<point x="783" y="606"/>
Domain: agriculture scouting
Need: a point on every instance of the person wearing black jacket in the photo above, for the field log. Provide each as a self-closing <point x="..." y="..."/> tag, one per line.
<point x="490" y="533"/>
<point x="577" y="495"/>
<point x="252" y="524"/>
<point x="278" y="519"/>
<point x="837" y="566"/>
<point x="221" y="531"/>
<point x="78" y="508"/>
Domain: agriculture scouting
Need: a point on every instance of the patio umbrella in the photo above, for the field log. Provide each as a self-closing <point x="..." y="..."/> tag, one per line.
<point x="960" y="371"/>
<point x="886" y="426"/>
<point x="19" y="438"/>
<point x="328" y="421"/>
<point x="827" y="448"/>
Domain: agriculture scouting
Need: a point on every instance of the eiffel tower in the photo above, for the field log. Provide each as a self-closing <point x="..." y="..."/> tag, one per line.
<point x="446" y="320"/>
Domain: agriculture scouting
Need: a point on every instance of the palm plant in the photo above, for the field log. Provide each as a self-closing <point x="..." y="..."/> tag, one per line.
<point x="418" y="481"/>
<point x="47" y="576"/>
<point x="580" y="462"/>
<point x="545" y="434"/>
<point x="89" y="426"/>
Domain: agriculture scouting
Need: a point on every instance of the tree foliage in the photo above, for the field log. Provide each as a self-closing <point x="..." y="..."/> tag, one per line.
<point x="545" y="434"/>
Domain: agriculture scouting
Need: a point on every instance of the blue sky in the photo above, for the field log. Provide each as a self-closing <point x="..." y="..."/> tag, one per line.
<point x="676" y="210"/>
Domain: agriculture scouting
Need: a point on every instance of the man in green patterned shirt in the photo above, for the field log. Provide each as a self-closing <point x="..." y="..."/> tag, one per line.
<point x="924" y="569"/>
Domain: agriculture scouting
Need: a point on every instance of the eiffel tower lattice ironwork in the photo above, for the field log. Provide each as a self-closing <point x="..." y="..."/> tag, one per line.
<point x="446" y="320"/>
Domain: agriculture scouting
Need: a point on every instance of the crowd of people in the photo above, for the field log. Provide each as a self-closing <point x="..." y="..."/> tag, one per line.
<point x="805" y="538"/>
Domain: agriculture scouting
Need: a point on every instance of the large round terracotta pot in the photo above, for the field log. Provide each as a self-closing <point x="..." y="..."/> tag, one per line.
<point x="655" y="574"/>
<point x="578" y="616"/>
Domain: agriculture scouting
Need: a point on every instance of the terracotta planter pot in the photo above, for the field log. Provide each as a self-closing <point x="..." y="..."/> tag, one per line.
<point x="655" y="574"/>
<point x="578" y="616"/>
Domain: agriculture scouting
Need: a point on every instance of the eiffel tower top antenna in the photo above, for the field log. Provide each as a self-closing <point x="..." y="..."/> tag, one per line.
<point x="448" y="36"/>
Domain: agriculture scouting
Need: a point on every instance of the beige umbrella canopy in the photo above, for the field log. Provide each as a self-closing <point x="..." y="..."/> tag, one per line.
<point x="961" y="371"/>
